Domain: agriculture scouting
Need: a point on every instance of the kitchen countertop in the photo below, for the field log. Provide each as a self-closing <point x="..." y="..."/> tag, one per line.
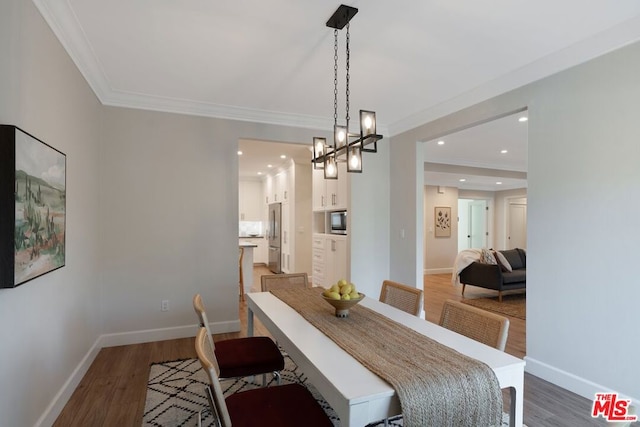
<point x="251" y="237"/>
<point x="247" y="245"/>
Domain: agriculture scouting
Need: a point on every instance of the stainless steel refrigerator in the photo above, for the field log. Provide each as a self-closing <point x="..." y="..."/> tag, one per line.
<point x="274" y="238"/>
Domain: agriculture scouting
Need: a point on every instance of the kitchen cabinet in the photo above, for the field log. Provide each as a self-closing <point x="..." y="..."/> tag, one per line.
<point x="260" y="252"/>
<point x="291" y="187"/>
<point x="331" y="194"/>
<point x="335" y="259"/>
<point x="285" y="240"/>
<point x="317" y="262"/>
<point x="268" y="189"/>
<point x="330" y="259"/>
<point x="250" y="200"/>
<point x="282" y="187"/>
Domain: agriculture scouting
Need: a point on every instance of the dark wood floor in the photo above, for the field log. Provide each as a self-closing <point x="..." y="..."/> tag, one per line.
<point x="113" y="391"/>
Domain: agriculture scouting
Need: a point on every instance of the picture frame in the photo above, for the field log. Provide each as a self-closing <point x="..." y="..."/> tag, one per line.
<point x="32" y="207"/>
<point x="442" y="221"/>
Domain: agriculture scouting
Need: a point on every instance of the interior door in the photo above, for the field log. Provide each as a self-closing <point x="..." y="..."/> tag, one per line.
<point x="478" y="224"/>
<point x="517" y="226"/>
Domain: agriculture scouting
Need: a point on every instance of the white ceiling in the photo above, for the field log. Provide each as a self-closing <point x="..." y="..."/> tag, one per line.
<point x="272" y="61"/>
<point x="476" y="155"/>
<point x="258" y="155"/>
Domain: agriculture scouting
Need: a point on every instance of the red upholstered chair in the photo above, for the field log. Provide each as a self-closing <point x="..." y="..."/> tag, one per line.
<point x="242" y="357"/>
<point x="289" y="405"/>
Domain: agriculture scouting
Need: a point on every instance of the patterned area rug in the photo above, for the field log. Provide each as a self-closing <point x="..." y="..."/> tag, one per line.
<point x="514" y="305"/>
<point x="175" y="394"/>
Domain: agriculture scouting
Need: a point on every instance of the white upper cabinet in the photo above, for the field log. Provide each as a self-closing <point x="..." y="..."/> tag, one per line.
<point x="250" y="200"/>
<point x="268" y="189"/>
<point x="331" y="194"/>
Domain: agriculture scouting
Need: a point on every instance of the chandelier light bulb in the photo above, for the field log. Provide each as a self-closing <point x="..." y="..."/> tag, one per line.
<point x="341" y="136"/>
<point x="368" y="122"/>
<point x="354" y="161"/>
<point x="331" y="169"/>
<point x="319" y="148"/>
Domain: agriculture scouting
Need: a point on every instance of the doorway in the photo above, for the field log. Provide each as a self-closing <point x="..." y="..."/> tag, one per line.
<point x="472" y="224"/>
<point x="517" y="224"/>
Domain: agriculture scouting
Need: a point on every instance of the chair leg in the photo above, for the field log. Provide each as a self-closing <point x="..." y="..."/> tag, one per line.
<point x="499" y="296"/>
<point x="463" y="286"/>
<point x="277" y="376"/>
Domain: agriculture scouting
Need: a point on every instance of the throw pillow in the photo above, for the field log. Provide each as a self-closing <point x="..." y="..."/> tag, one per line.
<point x="502" y="261"/>
<point x="486" y="257"/>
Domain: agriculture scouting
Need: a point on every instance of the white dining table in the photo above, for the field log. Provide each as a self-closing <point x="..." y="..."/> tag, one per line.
<point x="359" y="396"/>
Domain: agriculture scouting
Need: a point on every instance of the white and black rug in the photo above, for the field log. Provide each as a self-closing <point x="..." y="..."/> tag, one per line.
<point x="175" y="394"/>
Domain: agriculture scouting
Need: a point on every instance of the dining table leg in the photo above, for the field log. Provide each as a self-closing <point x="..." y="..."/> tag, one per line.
<point x="516" y="405"/>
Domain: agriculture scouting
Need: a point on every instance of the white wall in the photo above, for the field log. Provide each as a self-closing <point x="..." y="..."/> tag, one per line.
<point x="583" y="166"/>
<point x="439" y="252"/>
<point x="50" y="323"/>
<point x="502" y="214"/>
<point x="369" y="227"/>
<point x="152" y="211"/>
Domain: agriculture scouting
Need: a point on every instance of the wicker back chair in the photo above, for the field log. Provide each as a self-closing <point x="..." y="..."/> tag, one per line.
<point x="402" y="297"/>
<point x="284" y="281"/>
<point x="480" y="325"/>
<point x="289" y="405"/>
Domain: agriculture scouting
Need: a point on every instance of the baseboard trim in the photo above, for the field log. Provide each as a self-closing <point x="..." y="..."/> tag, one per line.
<point x="578" y="385"/>
<point x="123" y="338"/>
<point x="150" y="335"/>
<point x="430" y="271"/>
<point x="50" y="414"/>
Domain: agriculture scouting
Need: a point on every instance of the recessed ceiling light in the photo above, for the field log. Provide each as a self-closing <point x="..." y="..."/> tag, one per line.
<point x="523" y="119"/>
<point x="283" y="156"/>
<point x="498" y="182"/>
<point x="441" y="142"/>
<point x="239" y="153"/>
<point x="462" y="180"/>
<point x="259" y="173"/>
<point x="503" y="151"/>
<point x="269" y="166"/>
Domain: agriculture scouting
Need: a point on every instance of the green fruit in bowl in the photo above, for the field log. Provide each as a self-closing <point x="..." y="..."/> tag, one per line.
<point x="354" y="295"/>
<point x="335" y="288"/>
<point x="334" y="295"/>
<point x="342" y="282"/>
<point x="326" y="292"/>
<point x="345" y="289"/>
<point x="346" y="297"/>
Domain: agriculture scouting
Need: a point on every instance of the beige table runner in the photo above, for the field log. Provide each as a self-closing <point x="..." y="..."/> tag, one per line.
<point x="436" y="385"/>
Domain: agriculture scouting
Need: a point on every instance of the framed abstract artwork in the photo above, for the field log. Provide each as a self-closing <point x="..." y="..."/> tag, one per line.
<point x="32" y="207"/>
<point x="442" y="222"/>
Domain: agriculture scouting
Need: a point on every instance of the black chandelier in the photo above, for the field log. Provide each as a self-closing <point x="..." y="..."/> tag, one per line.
<point x="347" y="147"/>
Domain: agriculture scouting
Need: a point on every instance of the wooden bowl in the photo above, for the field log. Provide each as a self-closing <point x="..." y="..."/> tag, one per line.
<point x="342" y="306"/>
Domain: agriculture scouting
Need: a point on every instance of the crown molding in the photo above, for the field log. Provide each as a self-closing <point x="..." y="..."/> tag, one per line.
<point x="66" y="27"/>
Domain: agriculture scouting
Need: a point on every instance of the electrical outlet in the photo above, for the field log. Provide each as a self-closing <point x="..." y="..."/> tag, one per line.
<point x="165" y="305"/>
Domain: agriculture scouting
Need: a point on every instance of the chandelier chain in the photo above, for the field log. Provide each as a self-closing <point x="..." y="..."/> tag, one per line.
<point x="335" y="77"/>
<point x="348" y="56"/>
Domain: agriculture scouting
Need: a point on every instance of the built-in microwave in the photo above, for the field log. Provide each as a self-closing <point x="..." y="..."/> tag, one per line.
<point x="338" y="222"/>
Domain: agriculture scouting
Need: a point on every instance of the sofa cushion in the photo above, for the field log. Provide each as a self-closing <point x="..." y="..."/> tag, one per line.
<point x="486" y="257"/>
<point x="523" y="255"/>
<point x="514" y="258"/>
<point x="515" y="276"/>
<point x="502" y="261"/>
